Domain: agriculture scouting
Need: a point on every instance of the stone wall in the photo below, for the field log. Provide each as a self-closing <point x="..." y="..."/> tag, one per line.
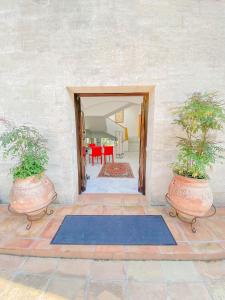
<point x="46" y="45"/>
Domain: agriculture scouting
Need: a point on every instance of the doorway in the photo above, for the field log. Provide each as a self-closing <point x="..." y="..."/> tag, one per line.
<point x="106" y="93"/>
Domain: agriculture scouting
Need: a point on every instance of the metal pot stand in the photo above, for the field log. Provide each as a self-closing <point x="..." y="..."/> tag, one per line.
<point x="174" y="212"/>
<point x="45" y="210"/>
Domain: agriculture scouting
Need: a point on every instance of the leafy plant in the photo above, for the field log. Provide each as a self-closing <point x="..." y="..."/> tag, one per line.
<point x="201" y="114"/>
<point x="28" y="147"/>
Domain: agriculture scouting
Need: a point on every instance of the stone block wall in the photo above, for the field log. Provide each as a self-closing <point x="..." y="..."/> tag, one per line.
<point x="47" y="45"/>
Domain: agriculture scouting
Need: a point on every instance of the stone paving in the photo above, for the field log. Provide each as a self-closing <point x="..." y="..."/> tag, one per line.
<point x="207" y="244"/>
<point x="26" y="278"/>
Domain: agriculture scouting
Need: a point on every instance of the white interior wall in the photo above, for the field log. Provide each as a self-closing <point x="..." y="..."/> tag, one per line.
<point x="106" y="106"/>
<point x="131" y="119"/>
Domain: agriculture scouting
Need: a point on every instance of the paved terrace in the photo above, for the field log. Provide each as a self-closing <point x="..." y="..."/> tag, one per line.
<point x="207" y="244"/>
<point x="23" y="278"/>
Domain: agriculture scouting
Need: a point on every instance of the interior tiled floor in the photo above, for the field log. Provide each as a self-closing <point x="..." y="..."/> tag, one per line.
<point x="207" y="244"/>
<point x="26" y="278"/>
<point x="113" y="185"/>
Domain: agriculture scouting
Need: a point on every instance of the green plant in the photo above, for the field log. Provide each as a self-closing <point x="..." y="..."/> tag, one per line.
<point x="200" y="115"/>
<point x="28" y="147"/>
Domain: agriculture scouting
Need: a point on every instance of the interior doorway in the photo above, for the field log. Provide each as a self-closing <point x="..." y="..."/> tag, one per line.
<point x="84" y="140"/>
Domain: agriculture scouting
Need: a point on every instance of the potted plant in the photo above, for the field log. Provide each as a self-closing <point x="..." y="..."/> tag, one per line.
<point x="32" y="191"/>
<point x="200" y="117"/>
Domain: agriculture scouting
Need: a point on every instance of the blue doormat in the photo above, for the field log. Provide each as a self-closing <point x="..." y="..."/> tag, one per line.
<point x="113" y="230"/>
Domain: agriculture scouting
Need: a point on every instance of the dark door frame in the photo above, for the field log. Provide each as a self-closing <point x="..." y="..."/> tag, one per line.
<point x="145" y="91"/>
<point x="80" y="131"/>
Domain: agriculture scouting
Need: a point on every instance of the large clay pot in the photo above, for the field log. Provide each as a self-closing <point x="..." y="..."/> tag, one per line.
<point x="32" y="194"/>
<point x="190" y="196"/>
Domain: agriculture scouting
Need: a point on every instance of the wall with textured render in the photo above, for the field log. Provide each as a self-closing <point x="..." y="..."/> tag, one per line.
<point x="46" y="45"/>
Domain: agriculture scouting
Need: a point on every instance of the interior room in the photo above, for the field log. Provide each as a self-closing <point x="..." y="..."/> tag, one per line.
<point x="111" y="143"/>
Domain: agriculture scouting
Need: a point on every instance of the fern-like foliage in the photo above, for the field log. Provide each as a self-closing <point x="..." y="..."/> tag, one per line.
<point x="200" y="115"/>
<point x="27" y="146"/>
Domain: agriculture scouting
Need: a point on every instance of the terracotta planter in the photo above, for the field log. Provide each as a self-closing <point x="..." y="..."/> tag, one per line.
<point x="190" y="196"/>
<point x="31" y="195"/>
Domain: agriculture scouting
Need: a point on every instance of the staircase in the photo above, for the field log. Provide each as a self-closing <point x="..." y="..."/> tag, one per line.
<point x="104" y="126"/>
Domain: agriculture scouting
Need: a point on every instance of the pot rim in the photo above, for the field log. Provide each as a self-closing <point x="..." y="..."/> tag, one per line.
<point x="38" y="177"/>
<point x="190" y="178"/>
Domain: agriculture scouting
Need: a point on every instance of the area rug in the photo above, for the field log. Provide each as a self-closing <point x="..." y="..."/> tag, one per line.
<point x="113" y="230"/>
<point x="116" y="170"/>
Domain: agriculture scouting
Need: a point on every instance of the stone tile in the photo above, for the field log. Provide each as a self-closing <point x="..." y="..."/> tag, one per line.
<point x="11" y="223"/>
<point x="51" y="229"/>
<point x="217" y="226"/>
<point x="76" y="209"/>
<point x="176" y="231"/>
<point x="103" y="291"/>
<point x="207" y="247"/>
<point x="25" y="286"/>
<point x="39" y="265"/>
<point x="44" y="248"/>
<point x="107" y="270"/>
<point x="44" y="244"/>
<point x="35" y="230"/>
<point x="105" y="199"/>
<point x="133" y="197"/>
<point x="111" y="210"/>
<point x="78" y="251"/>
<point x="10" y="263"/>
<point x="134" y="210"/>
<point x="184" y="248"/>
<point x="205" y="244"/>
<point x="144" y="271"/>
<point x="146" y="291"/>
<point x="3" y="215"/>
<point x="222" y="244"/>
<point x="134" y="200"/>
<point x="3" y="208"/>
<point x="179" y="271"/>
<point x="187" y="291"/>
<point x="142" y="249"/>
<point x="63" y="210"/>
<point x="220" y="211"/>
<point x="4" y="239"/>
<point x="51" y="296"/>
<point x="142" y="252"/>
<point x="18" y="243"/>
<point x="211" y="269"/>
<point x="216" y="289"/>
<point x="5" y="281"/>
<point x="91" y="210"/>
<point x="204" y="233"/>
<point x="109" y="252"/>
<point x="66" y="287"/>
<point x="74" y="267"/>
<point x="154" y="210"/>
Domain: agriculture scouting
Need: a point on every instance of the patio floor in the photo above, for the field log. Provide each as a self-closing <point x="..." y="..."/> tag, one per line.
<point x="208" y="243"/>
<point x="26" y="278"/>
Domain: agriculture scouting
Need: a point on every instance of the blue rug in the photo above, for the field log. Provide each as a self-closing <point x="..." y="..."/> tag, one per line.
<point x="113" y="230"/>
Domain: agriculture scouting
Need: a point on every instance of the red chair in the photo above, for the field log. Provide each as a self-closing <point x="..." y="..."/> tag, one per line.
<point x="91" y="145"/>
<point x="96" y="152"/>
<point x="108" y="151"/>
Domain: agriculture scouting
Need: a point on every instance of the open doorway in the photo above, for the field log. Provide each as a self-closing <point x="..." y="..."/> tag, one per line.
<point x="115" y="121"/>
<point x="112" y="142"/>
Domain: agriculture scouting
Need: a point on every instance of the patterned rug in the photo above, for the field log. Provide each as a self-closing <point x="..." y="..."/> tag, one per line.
<point x="116" y="170"/>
